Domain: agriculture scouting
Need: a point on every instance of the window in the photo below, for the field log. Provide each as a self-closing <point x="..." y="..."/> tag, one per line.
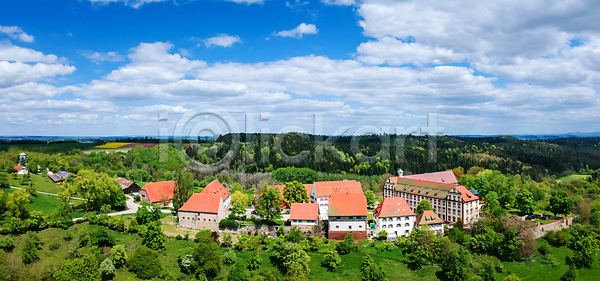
<point x="360" y="226"/>
<point x="405" y="218"/>
<point x="406" y="224"/>
<point x="406" y="232"/>
<point x="383" y="220"/>
<point x="383" y="226"/>
<point x="337" y="226"/>
<point x="398" y="225"/>
<point x="391" y="225"/>
<point x="349" y="227"/>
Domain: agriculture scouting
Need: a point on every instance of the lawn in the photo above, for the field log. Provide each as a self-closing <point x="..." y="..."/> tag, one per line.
<point x="40" y="183"/>
<point x="46" y="204"/>
<point x="573" y="177"/>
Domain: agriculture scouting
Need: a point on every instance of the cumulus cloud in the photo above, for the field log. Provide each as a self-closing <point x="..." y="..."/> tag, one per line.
<point x="9" y="52"/>
<point x="18" y="72"/>
<point x="299" y="31"/>
<point x="16" y="33"/>
<point x="98" y="57"/>
<point x="151" y="63"/>
<point x="222" y="40"/>
<point x="391" y="51"/>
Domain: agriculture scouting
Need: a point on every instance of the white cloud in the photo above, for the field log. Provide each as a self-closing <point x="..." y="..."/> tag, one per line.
<point x="222" y="40"/>
<point x="339" y="2"/>
<point x="17" y="33"/>
<point x="17" y="72"/>
<point x="151" y="63"/>
<point x="31" y="90"/>
<point x="9" y="52"/>
<point x="391" y="51"/>
<point x="299" y="31"/>
<point x="131" y="3"/>
<point x="98" y="57"/>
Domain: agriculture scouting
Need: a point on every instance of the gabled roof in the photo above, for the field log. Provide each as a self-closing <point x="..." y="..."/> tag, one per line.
<point x="216" y="188"/>
<point x="432" y="189"/>
<point x="202" y="203"/>
<point x="441" y="177"/>
<point x="347" y="204"/>
<point x="156" y="190"/>
<point x="393" y="207"/>
<point x="304" y="211"/>
<point x="428" y="217"/>
<point x="327" y="188"/>
<point x="124" y="183"/>
<point x="18" y="167"/>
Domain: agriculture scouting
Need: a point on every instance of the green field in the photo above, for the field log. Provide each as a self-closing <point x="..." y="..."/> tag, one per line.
<point x="46" y="204"/>
<point x="40" y="183"/>
<point x="573" y="177"/>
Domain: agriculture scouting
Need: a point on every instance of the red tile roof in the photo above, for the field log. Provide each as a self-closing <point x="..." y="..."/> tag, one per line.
<point x="18" y="167"/>
<point x="327" y="188"/>
<point x="393" y="207"/>
<point x="466" y="194"/>
<point x="347" y="204"/>
<point x="124" y="182"/>
<point x="215" y="187"/>
<point x="156" y="190"/>
<point x="442" y="177"/>
<point x="428" y="217"/>
<point x="202" y="203"/>
<point x="304" y="211"/>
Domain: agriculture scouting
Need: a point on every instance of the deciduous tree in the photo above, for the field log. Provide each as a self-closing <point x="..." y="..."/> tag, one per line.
<point x="294" y="192"/>
<point x="423" y="206"/>
<point x="184" y="188"/>
<point x="524" y="202"/>
<point x="269" y="204"/>
<point x="370" y="271"/>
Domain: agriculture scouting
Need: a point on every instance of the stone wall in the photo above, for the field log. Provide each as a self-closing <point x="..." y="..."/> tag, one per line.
<point x="541" y="229"/>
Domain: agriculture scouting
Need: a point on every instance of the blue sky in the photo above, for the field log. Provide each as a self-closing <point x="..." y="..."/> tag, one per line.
<point x="110" y="67"/>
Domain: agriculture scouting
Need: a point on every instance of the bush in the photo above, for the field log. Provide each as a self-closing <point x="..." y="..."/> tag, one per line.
<point x="228" y="223"/>
<point x="107" y="269"/>
<point x="178" y="237"/>
<point x="549" y="259"/>
<point x="347" y="245"/>
<point x="29" y="253"/>
<point x="7" y="244"/>
<point x="229" y="257"/>
<point x="119" y="255"/>
<point x="556" y="238"/>
<point x="385" y="246"/>
<point x="145" y="263"/>
<point x="544" y="249"/>
<point x="54" y="246"/>
<point x="116" y="223"/>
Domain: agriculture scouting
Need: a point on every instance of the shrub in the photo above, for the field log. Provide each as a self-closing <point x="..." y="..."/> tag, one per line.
<point x="54" y="246"/>
<point x="119" y="255"/>
<point x="7" y="243"/>
<point x="255" y="261"/>
<point x="178" y="237"/>
<point x="116" y="223"/>
<point x="107" y="268"/>
<point x="229" y="257"/>
<point x="549" y="259"/>
<point x="331" y="260"/>
<point x="145" y="263"/>
<point x="228" y="223"/>
<point x="556" y="238"/>
<point x="347" y="245"/>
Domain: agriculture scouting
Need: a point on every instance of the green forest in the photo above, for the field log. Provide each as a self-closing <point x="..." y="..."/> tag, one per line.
<point x="72" y="237"/>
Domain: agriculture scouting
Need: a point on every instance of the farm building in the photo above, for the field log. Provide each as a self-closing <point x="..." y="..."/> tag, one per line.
<point x="158" y="192"/>
<point x="128" y="186"/>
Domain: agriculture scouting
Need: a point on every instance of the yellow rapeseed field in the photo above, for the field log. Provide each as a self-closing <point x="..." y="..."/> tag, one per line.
<point x="113" y="145"/>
